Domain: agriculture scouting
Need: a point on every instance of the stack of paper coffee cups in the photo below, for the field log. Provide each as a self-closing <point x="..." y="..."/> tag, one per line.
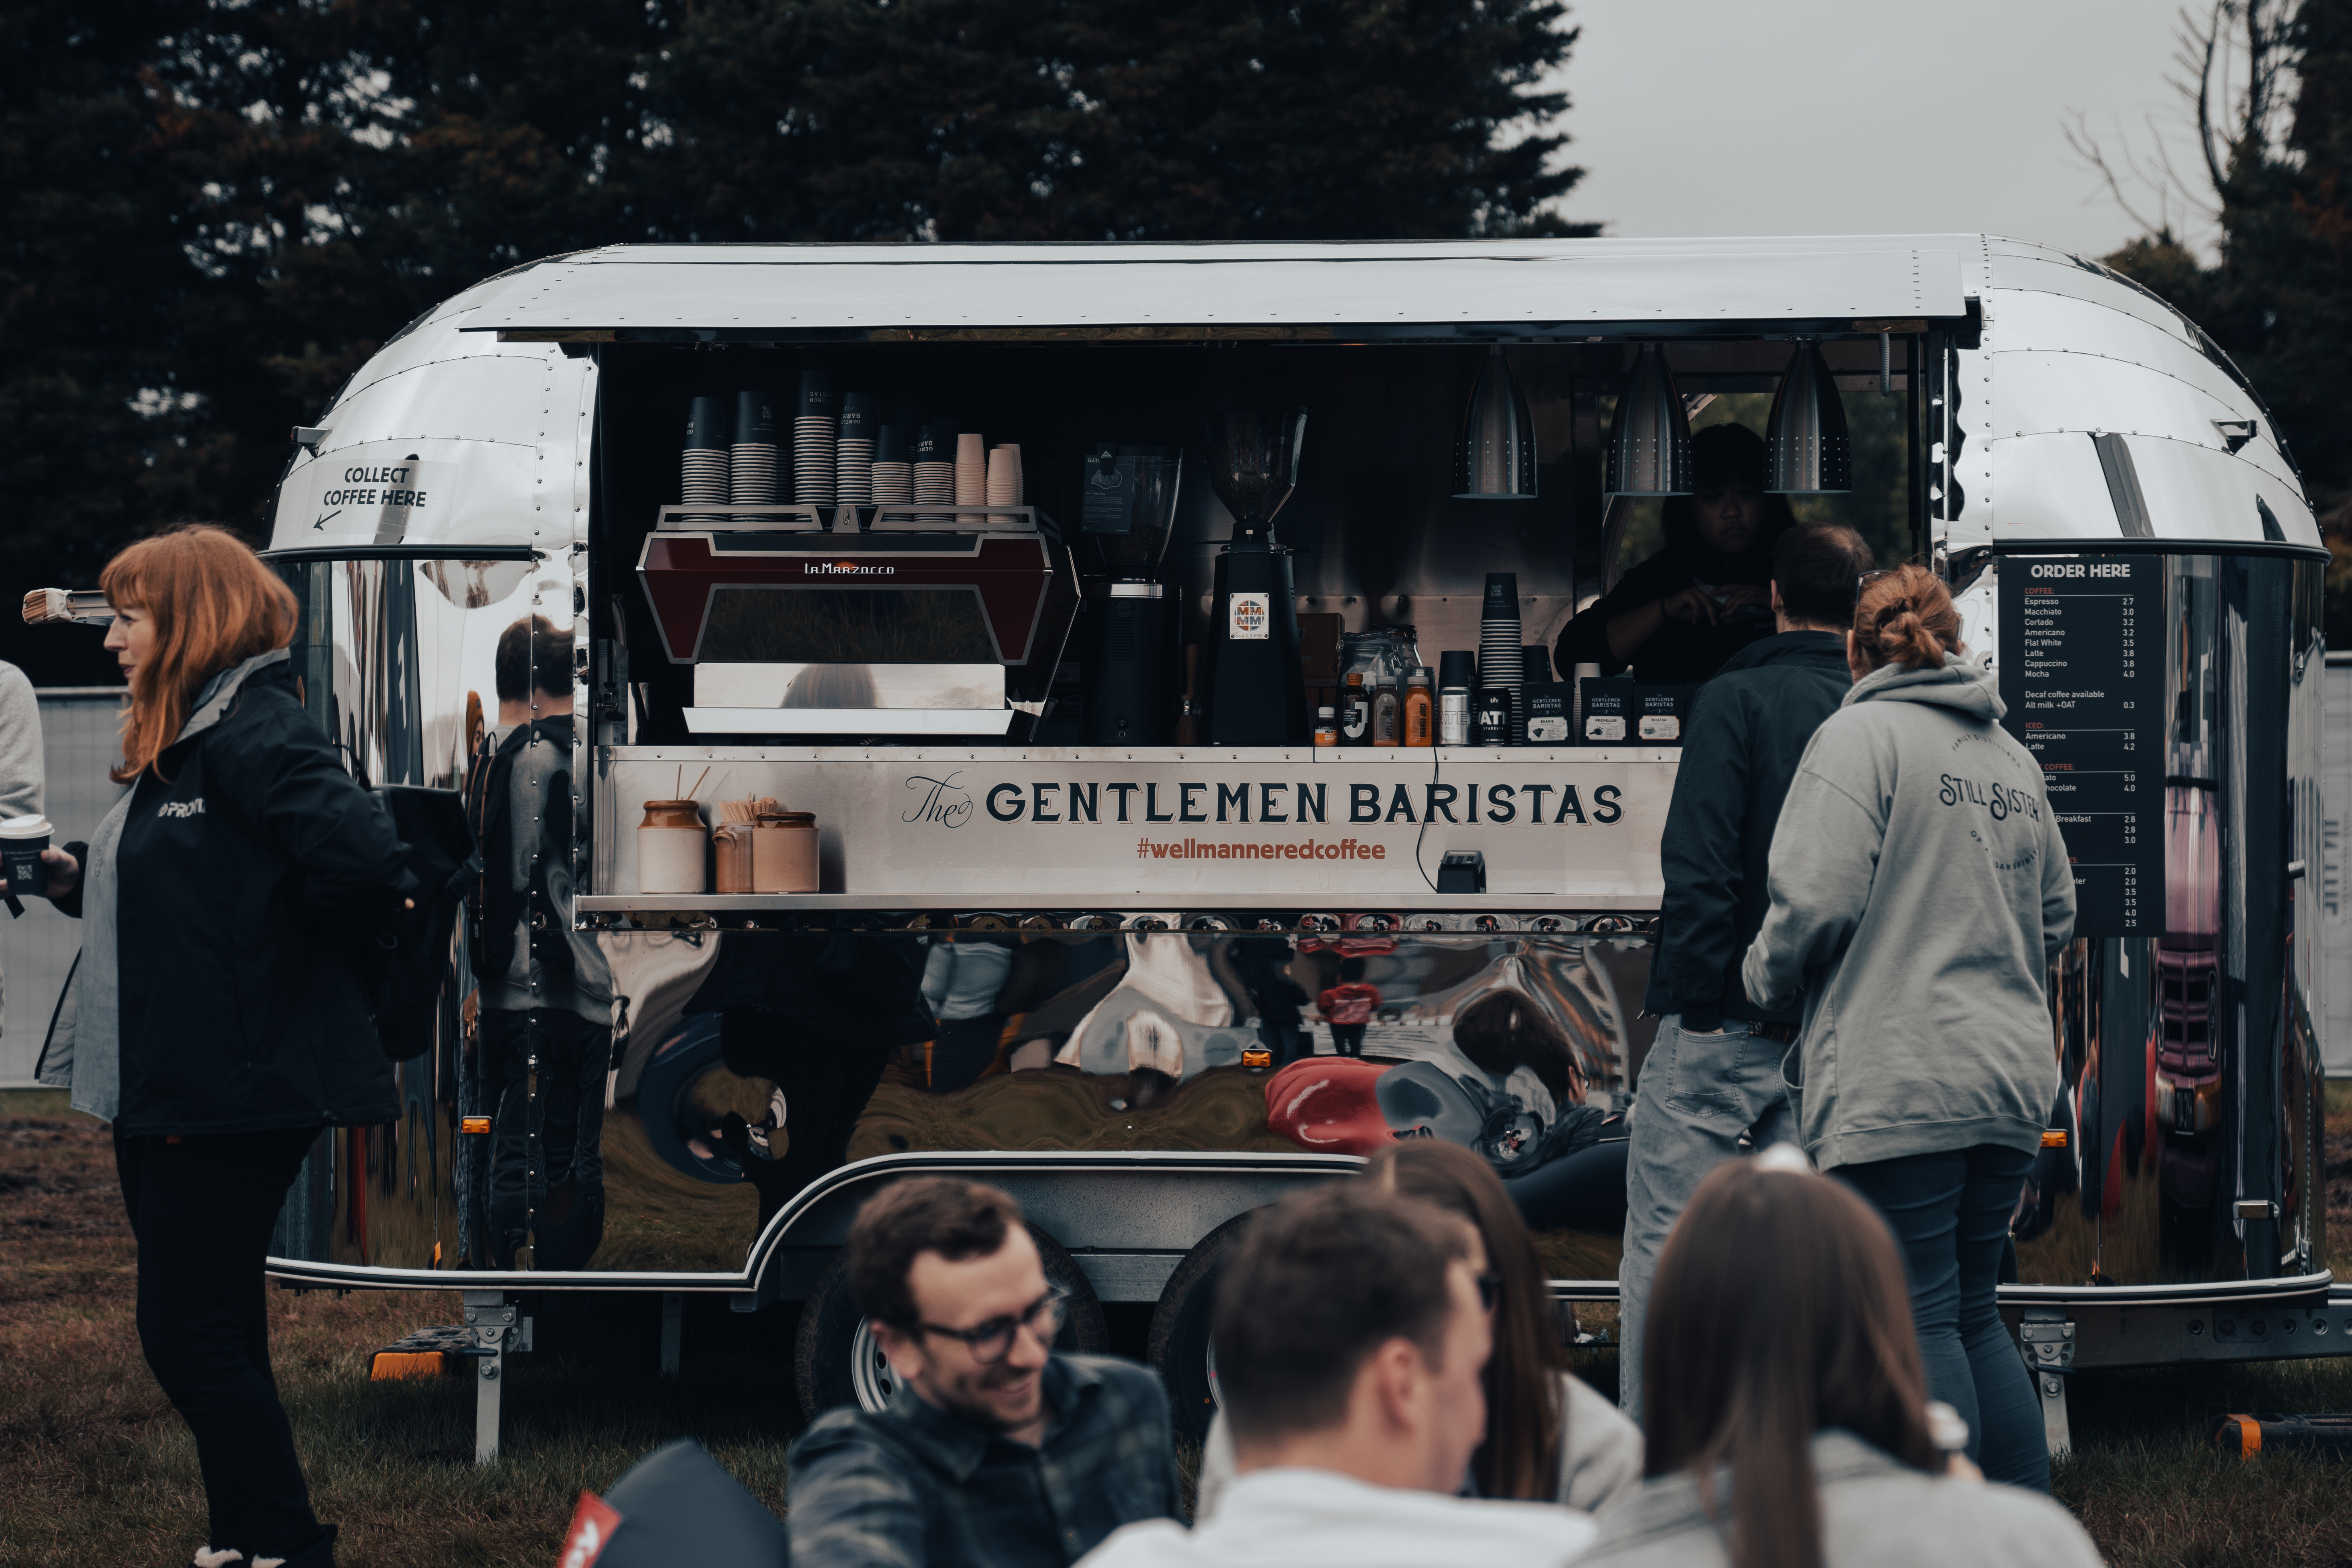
<point x="893" y="468"/>
<point x="972" y="468"/>
<point x="935" y="468"/>
<point x="813" y="457"/>
<point x="861" y="413"/>
<point x="751" y="467"/>
<point x="1005" y="476"/>
<point x="1501" y="662"/>
<point x="704" y="468"/>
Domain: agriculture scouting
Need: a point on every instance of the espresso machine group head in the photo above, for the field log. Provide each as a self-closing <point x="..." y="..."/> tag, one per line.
<point x="1256" y="696"/>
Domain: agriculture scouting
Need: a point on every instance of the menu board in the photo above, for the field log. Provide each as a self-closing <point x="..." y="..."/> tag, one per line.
<point x="2082" y="673"/>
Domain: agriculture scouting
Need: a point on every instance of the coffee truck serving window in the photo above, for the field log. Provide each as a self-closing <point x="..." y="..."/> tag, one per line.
<point x="957" y="627"/>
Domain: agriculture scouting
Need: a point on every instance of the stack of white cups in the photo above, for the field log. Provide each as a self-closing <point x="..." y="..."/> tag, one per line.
<point x="704" y="468"/>
<point x="861" y="413"/>
<point x="893" y="471"/>
<point x="813" y="457"/>
<point x="935" y="468"/>
<point x="1005" y="476"/>
<point x="751" y="469"/>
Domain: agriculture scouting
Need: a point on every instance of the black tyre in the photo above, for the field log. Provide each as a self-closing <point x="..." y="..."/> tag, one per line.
<point x="1179" y="1347"/>
<point x="836" y="1360"/>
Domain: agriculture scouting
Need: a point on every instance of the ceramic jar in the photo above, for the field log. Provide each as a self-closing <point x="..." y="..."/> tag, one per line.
<point x="783" y="853"/>
<point x="670" y="845"/>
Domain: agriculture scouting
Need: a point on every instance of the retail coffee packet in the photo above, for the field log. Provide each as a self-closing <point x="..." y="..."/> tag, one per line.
<point x="1547" y="710"/>
<point x="1660" y="712"/>
<point x="1608" y="710"/>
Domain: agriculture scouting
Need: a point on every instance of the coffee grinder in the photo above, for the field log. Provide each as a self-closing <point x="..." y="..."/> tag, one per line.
<point x="1125" y="514"/>
<point x="1256" y="694"/>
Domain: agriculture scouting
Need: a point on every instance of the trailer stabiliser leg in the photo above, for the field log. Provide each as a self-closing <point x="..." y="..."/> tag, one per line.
<point x="492" y="1319"/>
<point x="2046" y="1340"/>
<point x="673" y="1315"/>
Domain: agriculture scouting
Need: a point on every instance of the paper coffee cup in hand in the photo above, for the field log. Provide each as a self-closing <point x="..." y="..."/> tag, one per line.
<point x="22" y="839"/>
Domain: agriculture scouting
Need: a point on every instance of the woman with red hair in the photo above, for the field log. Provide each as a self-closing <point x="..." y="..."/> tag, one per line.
<point x="216" y="1016"/>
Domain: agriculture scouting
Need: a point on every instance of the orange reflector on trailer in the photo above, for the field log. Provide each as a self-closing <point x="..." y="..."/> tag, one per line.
<point x="477" y="1124"/>
<point x="393" y="1366"/>
<point x="2055" y="1138"/>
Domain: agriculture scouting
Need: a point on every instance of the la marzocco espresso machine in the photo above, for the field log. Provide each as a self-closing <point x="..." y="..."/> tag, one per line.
<point x="1126" y="511"/>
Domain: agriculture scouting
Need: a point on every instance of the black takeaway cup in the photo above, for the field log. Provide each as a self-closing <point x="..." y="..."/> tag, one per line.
<point x="22" y="839"/>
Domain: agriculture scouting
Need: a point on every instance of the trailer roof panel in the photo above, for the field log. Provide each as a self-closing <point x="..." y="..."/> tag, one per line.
<point x="738" y="289"/>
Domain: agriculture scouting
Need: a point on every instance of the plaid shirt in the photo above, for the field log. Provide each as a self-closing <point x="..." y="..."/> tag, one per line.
<point x="915" y="1488"/>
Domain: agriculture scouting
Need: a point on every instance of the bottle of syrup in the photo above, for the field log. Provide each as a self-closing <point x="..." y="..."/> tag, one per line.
<point x="1420" y="709"/>
<point x="1326" y="728"/>
<point x="1388" y="716"/>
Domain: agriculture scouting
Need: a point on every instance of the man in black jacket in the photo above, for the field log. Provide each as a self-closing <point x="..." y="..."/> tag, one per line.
<point x="546" y="1013"/>
<point x="1714" y="1072"/>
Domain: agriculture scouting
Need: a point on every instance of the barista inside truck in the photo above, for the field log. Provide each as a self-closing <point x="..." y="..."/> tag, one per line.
<point x="1678" y="616"/>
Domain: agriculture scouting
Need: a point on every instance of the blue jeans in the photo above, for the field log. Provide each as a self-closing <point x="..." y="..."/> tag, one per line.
<point x="1698" y="1094"/>
<point x="1950" y="1212"/>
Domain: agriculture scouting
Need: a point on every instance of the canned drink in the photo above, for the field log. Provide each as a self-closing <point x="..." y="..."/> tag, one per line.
<point x="1453" y="718"/>
<point x="1491" y="719"/>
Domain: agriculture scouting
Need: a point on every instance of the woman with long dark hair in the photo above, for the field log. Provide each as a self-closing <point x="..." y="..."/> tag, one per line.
<point x="1550" y="1438"/>
<point x="1786" y="1414"/>
<point x="1920" y="888"/>
<point x="216" y="1017"/>
<point x="1678" y="615"/>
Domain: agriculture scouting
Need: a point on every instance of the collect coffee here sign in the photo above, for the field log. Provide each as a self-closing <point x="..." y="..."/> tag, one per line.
<point x="2081" y="674"/>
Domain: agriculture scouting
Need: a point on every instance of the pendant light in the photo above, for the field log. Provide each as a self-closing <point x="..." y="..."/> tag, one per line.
<point x="1805" y="448"/>
<point x="1649" y="436"/>
<point x="1494" y="453"/>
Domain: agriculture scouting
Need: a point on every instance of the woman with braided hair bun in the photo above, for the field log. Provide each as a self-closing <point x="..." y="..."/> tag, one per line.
<point x="1919" y="891"/>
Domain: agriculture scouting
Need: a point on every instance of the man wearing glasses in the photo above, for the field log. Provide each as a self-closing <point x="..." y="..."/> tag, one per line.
<point x="995" y="1452"/>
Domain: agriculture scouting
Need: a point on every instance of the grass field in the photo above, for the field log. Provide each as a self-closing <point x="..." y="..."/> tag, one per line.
<point x="98" y="1469"/>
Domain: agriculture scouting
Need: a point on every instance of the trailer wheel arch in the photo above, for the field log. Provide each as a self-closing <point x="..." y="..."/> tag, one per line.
<point x="1179" y="1348"/>
<point x="833" y="1344"/>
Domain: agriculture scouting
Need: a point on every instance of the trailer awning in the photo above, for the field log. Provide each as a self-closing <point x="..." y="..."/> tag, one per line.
<point x="1856" y="283"/>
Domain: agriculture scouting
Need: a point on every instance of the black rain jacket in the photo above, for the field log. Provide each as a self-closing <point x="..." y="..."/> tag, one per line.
<point x="1746" y="732"/>
<point x="243" y="883"/>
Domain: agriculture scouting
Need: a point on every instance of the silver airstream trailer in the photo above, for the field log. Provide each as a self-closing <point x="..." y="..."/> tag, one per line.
<point x="1015" y="713"/>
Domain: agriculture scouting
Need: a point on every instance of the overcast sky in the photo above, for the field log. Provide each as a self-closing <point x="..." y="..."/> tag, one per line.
<point x="1699" y="117"/>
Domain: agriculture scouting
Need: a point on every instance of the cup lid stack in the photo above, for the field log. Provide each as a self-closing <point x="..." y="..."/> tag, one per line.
<point x="705" y="467"/>
<point x="813" y="434"/>
<point x="935" y="474"/>
<point x="893" y="468"/>
<point x="752" y="473"/>
<point x="1501" y="663"/>
<point x="861" y="418"/>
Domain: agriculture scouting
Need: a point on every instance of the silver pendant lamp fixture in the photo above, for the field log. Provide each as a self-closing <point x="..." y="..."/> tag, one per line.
<point x="1649" y="436"/>
<point x="1805" y="448"/>
<point x="1494" y="453"/>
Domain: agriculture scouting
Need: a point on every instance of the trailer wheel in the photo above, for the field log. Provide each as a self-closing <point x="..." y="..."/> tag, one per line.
<point x="1180" y="1348"/>
<point x="838" y="1360"/>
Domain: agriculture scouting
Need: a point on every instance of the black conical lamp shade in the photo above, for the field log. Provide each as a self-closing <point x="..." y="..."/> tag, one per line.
<point x="1805" y="448"/>
<point x="1494" y="453"/>
<point x="1649" y="436"/>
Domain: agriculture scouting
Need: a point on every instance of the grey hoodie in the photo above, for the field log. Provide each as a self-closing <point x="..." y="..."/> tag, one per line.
<point x="1919" y="891"/>
<point x="1874" y="1512"/>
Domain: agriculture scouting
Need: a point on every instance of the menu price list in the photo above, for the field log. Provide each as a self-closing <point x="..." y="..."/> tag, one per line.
<point x="2084" y="699"/>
